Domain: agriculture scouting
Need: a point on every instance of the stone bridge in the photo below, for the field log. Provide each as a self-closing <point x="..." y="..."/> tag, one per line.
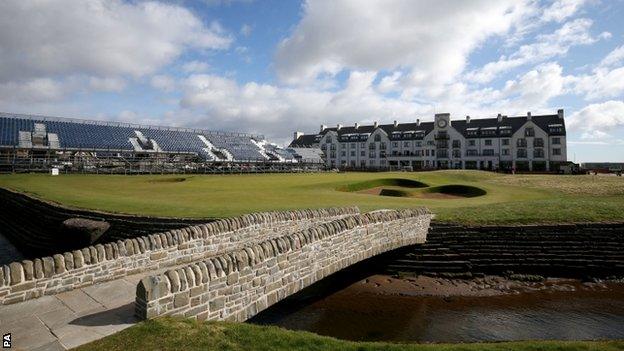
<point x="237" y="285"/>
<point x="228" y="269"/>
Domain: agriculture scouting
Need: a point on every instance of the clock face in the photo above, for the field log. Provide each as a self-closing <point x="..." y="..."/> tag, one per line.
<point x="442" y="123"/>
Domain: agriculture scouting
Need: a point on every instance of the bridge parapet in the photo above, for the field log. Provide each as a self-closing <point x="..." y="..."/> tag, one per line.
<point x="239" y="284"/>
<point x="31" y="279"/>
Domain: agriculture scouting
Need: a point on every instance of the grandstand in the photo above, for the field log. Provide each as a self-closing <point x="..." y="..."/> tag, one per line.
<point x="38" y="143"/>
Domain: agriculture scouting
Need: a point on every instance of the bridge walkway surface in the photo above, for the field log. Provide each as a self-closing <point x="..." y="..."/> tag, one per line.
<point x="70" y="319"/>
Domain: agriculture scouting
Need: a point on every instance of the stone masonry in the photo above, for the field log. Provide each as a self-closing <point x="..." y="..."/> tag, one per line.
<point x="31" y="279"/>
<point x="237" y="285"/>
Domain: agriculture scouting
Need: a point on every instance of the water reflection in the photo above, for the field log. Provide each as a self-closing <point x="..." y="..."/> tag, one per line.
<point x="357" y="312"/>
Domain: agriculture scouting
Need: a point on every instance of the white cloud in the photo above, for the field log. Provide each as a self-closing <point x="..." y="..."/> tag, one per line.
<point x="195" y="67"/>
<point x="31" y="91"/>
<point x="114" y="84"/>
<point x="596" y="120"/>
<point x="163" y="82"/>
<point x="562" y="9"/>
<point x="432" y="39"/>
<point x="605" y="81"/>
<point x="246" y="30"/>
<point x="547" y="46"/>
<point x="102" y="40"/>
<point x="615" y="57"/>
<point x="278" y="110"/>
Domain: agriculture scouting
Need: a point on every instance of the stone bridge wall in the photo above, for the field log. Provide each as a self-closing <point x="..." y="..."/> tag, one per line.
<point x="30" y="279"/>
<point x="238" y="285"/>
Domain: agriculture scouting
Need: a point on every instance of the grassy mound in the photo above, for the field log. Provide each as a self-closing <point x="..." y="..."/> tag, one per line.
<point x="178" y="334"/>
<point x="373" y="183"/>
<point x="457" y="190"/>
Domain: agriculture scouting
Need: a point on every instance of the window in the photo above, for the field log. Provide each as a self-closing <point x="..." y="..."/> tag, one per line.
<point x="371" y="146"/>
<point x="442" y="153"/>
<point x="418" y="144"/>
<point x="505" y="142"/>
<point x="529" y="132"/>
<point x="371" y="154"/>
<point x="430" y="142"/>
<point x="377" y="137"/>
<point x="538" y="142"/>
<point x="472" y="142"/>
<point x="472" y="153"/>
<point x="382" y="146"/>
<point x="362" y="144"/>
<point x="362" y="164"/>
<point x="343" y="153"/>
<point x="522" y="153"/>
<point x="353" y="145"/>
<point x="332" y="154"/>
<point x="353" y="164"/>
<point x="556" y="152"/>
<point x="395" y="144"/>
<point x="406" y="144"/>
<point x="538" y="153"/>
<point x="343" y="146"/>
<point x="505" y="152"/>
<point x="427" y="152"/>
<point x="405" y="153"/>
<point x="457" y="153"/>
<point x="456" y="143"/>
<point x="488" y="152"/>
<point x="362" y="153"/>
<point x="521" y="142"/>
<point x="352" y="153"/>
<point x="432" y="152"/>
<point x="328" y="139"/>
<point x="556" y="141"/>
<point x="488" y="142"/>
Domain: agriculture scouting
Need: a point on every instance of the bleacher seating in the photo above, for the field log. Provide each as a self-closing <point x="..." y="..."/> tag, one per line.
<point x="23" y="131"/>
<point x="241" y="147"/>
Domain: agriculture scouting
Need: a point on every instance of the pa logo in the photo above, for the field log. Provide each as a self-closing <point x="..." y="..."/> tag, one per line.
<point x="6" y="341"/>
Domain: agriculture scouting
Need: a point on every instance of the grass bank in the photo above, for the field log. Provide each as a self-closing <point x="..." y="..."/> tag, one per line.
<point x="507" y="198"/>
<point x="179" y="334"/>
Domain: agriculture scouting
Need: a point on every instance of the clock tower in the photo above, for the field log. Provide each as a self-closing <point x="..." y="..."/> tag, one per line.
<point x="442" y="120"/>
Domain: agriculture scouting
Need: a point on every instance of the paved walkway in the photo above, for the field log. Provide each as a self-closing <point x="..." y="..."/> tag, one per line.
<point x="72" y="318"/>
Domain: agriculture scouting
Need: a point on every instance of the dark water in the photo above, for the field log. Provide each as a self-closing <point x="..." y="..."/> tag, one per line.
<point x="355" y="314"/>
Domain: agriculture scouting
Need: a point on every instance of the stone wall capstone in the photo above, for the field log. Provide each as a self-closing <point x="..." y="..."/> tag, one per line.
<point x="239" y="284"/>
<point x="49" y="275"/>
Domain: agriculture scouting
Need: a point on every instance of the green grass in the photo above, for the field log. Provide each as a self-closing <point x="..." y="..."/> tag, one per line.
<point x="508" y="198"/>
<point x="178" y="334"/>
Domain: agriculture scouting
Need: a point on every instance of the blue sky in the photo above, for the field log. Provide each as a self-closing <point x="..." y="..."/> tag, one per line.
<point x="273" y="67"/>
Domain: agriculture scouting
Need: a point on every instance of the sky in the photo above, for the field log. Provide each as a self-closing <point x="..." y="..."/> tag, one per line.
<point x="275" y="67"/>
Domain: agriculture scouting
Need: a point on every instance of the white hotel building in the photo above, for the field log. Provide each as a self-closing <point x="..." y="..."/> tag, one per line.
<point x="536" y="143"/>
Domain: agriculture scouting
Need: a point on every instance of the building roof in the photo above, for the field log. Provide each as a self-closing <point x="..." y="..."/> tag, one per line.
<point x="475" y="125"/>
<point x="306" y="140"/>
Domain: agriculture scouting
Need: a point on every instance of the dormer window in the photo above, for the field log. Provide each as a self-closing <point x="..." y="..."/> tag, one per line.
<point x="529" y="132"/>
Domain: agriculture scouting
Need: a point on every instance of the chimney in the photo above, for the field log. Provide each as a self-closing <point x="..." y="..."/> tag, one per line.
<point x="529" y="117"/>
<point x="418" y="122"/>
<point x="297" y="135"/>
<point x="499" y="118"/>
<point x="338" y="126"/>
<point x="396" y="124"/>
<point x="468" y="119"/>
<point x="357" y="125"/>
<point x="560" y="113"/>
<point x="375" y="124"/>
<point x="323" y="127"/>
